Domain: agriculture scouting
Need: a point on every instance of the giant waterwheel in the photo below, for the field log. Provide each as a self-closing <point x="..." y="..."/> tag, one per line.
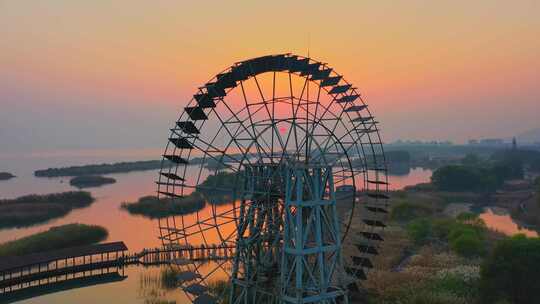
<point x="279" y="171"/>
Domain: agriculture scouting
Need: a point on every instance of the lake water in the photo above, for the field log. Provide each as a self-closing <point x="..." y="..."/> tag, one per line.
<point x="142" y="284"/>
<point x="413" y="177"/>
<point x="499" y="219"/>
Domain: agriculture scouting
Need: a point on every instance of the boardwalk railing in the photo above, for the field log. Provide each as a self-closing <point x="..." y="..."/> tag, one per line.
<point x="33" y="270"/>
<point x="37" y="271"/>
<point x="179" y="254"/>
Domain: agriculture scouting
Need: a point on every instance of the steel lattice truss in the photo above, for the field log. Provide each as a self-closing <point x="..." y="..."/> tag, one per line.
<point x="256" y="120"/>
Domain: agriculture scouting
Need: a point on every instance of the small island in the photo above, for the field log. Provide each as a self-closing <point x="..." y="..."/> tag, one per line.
<point x="122" y="167"/>
<point x="152" y="207"/>
<point x="219" y="188"/>
<point x="89" y="181"/>
<point x="6" y="176"/>
<point x="216" y="189"/>
<point x="55" y="238"/>
<point x="33" y="209"/>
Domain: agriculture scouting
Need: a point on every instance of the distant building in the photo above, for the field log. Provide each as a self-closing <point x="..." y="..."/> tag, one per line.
<point x="531" y="176"/>
<point x="516" y="185"/>
<point x="423" y="143"/>
<point x="492" y="142"/>
<point x="487" y="142"/>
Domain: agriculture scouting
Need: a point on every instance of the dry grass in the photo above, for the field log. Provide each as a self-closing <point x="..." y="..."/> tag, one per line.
<point x="414" y="283"/>
<point x="382" y="279"/>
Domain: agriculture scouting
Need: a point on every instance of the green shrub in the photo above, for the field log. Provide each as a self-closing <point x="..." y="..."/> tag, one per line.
<point x="466" y="217"/>
<point x="454" y="284"/>
<point x="466" y="236"/>
<point x="466" y="239"/>
<point x="457" y="178"/>
<point x="468" y="244"/>
<point x="407" y="211"/>
<point x="423" y="294"/>
<point x="442" y="227"/>
<point x="430" y="297"/>
<point x="458" y="230"/>
<point x="420" y="230"/>
<point x="59" y="237"/>
<point x="474" y="177"/>
<point x="512" y="272"/>
<point x="471" y="159"/>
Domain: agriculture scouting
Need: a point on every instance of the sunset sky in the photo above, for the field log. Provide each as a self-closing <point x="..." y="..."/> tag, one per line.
<point x="115" y="74"/>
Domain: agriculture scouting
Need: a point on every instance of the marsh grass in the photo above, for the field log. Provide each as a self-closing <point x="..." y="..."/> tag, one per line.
<point x="220" y="290"/>
<point x="168" y="277"/>
<point x="87" y="181"/>
<point x="159" y="301"/>
<point x="152" y="207"/>
<point x="406" y="211"/>
<point x="121" y="167"/>
<point x="59" y="237"/>
<point x="32" y="209"/>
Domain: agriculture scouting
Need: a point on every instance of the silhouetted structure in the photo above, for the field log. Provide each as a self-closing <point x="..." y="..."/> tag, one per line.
<point x="286" y="151"/>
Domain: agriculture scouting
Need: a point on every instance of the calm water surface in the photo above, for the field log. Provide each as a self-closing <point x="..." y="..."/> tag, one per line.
<point x="413" y="177"/>
<point x="499" y="219"/>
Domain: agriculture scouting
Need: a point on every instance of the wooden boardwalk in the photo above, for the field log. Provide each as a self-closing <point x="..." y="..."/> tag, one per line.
<point x="54" y="267"/>
<point x="62" y="283"/>
<point x="178" y="254"/>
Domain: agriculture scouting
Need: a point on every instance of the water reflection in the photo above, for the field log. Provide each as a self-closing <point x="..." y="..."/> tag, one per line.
<point x="137" y="288"/>
<point x="499" y="219"/>
<point x="413" y="177"/>
<point x="153" y="289"/>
